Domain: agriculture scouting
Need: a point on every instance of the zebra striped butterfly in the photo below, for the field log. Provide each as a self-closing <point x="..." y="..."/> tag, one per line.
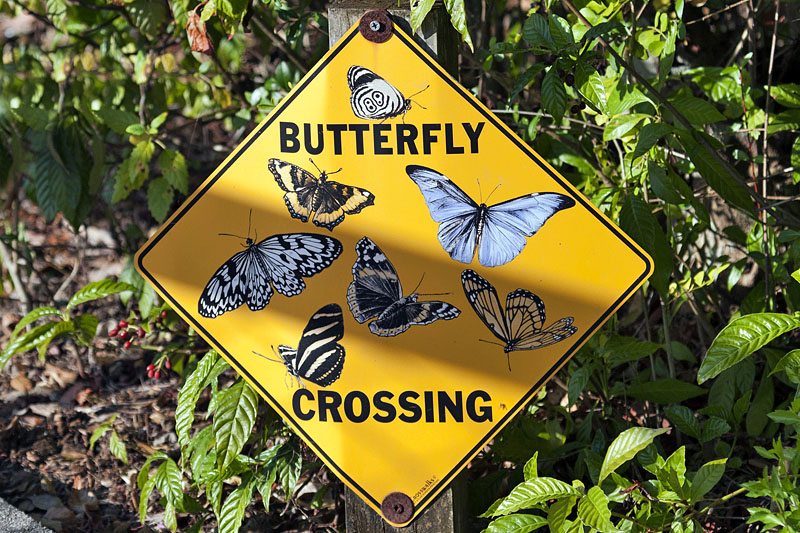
<point x="374" y="98"/>
<point x="279" y="261"/>
<point x="520" y="326"/>
<point x="376" y="293"/>
<point x="318" y="357"/>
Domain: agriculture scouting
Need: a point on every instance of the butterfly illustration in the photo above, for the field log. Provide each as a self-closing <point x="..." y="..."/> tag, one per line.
<point x="376" y="293"/>
<point x="520" y="325"/>
<point x="498" y="231"/>
<point x="280" y="261"/>
<point x="318" y="357"/>
<point x="373" y="98"/>
<point x="328" y="200"/>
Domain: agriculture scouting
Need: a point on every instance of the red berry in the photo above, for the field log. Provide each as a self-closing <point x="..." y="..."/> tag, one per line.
<point x="163" y="314"/>
<point x="123" y="324"/>
<point x="158" y="320"/>
<point x="150" y="372"/>
<point x="113" y="332"/>
<point x="167" y="364"/>
<point x="127" y="345"/>
<point x="157" y="374"/>
<point x="140" y="333"/>
<point x="123" y="334"/>
<point x="151" y="367"/>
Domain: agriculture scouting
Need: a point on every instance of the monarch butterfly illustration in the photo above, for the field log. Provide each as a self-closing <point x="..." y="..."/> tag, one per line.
<point x="374" y="98"/>
<point x="328" y="200"/>
<point x="318" y="357"/>
<point x="520" y="325"/>
<point x="376" y="293"/>
<point x="498" y="231"/>
<point x="279" y="261"/>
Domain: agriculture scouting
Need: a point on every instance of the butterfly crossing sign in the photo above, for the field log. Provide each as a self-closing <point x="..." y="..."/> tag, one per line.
<point x="391" y="268"/>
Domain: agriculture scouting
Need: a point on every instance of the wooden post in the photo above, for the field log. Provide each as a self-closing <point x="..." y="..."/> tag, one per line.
<point x="447" y="513"/>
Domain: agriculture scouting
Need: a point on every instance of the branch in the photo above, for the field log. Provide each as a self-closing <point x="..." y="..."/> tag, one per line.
<point x="282" y="45"/>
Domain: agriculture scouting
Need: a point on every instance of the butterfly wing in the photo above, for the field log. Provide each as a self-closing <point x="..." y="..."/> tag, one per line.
<point x="525" y="314"/>
<point x="372" y="97"/>
<point x="375" y="285"/>
<point x="482" y="296"/>
<point x="456" y="212"/>
<point x="335" y="200"/>
<point x="319" y="358"/>
<point x="230" y="285"/>
<point x="396" y="320"/>
<point x="290" y="257"/>
<point x="507" y="224"/>
<point x="300" y="187"/>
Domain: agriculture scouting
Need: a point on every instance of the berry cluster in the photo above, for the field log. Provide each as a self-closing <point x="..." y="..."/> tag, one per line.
<point x="126" y="332"/>
<point x="155" y="371"/>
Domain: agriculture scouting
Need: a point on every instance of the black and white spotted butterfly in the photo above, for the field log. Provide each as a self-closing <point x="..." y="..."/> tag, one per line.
<point x="318" y="357"/>
<point x="279" y="261"/>
<point x="374" y="98"/>
<point x="376" y="293"/>
<point x="520" y="325"/>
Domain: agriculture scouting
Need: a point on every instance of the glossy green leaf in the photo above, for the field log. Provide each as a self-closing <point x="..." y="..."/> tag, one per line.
<point x="144" y="496"/>
<point x="560" y="31"/>
<point x="173" y="167"/>
<point x="626" y="446"/>
<point x="591" y="85"/>
<point x="232" y="512"/>
<point x="740" y="338"/>
<point x="789" y="363"/>
<point x="100" y="431"/>
<point x="34" y="315"/>
<point x="661" y="184"/>
<point x="59" y="329"/>
<point x="459" y="19"/>
<point x="168" y="481"/>
<point x="594" y="512"/>
<point x="516" y="523"/>
<point x="684" y="420"/>
<point x="187" y="396"/>
<point x="419" y="10"/>
<point x="707" y="477"/>
<point x="26" y="341"/>
<point x="536" y="32"/>
<point x="666" y="390"/>
<point x="696" y="110"/>
<point x="117" y="447"/>
<point x="234" y="420"/>
<point x="622" y="125"/>
<point x="649" y="135"/>
<point x="638" y="221"/>
<point x="530" y="493"/>
<point x="289" y="464"/>
<point x="98" y="289"/>
<point x="713" y="428"/>
<point x="531" y="471"/>
<point x="787" y="94"/>
<point x="554" y="95"/>
<point x="557" y="513"/>
<point x="159" y="198"/>
<point x="85" y="326"/>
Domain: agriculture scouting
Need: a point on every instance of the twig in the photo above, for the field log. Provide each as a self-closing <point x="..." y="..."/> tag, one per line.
<point x="282" y="45"/>
<point x="75" y="268"/>
<point x="9" y="261"/>
<point x="787" y="200"/>
<point x="546" y="115"/>
<point x="764" y="145"/>
<point x="701" y="19"/>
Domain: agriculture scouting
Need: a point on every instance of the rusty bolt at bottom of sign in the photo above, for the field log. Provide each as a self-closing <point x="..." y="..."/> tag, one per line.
<point x="376" y="25"/>
<point x="397" y="508"/>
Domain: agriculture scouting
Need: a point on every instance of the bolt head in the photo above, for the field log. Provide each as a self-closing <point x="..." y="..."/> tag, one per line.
<point x="375" y="25"/>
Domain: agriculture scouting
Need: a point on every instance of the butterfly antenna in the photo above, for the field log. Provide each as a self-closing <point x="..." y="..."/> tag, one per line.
<point x="315" y="165"/>
<point x="418" y="284"/>
<point x="508" y="360"/>
<point x="492" y="342"/>
<point x="416" y="93"/>
<point x="491" y="193"/>
<point x="434" y="293"/>
<point x="249" y="222"/>
<point x="480" y="191"/>
<point x="280" y="360"/>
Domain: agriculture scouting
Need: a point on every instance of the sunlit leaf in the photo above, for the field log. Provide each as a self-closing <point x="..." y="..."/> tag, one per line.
<point x="626" y="446"/>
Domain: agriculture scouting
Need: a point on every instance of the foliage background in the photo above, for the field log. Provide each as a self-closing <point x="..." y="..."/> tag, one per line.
<point x="680" y="120"/>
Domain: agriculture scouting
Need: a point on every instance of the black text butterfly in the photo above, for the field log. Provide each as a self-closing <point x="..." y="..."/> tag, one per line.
<point x="328" y="200"/>
<point x="376" y="293"/>
<point x="520" y="325"/>
<point x="372" y="97"/>
<point x="498" y="231"/>
<point x="281" y="261"/>
<point x="318" y="357"/>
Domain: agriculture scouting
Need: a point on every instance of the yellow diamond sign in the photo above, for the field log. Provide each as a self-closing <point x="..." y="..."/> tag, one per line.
<point x="391" y="267"/>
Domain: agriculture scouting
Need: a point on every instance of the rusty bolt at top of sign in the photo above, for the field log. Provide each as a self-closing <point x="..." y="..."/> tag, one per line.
<point x="376" y="26"/>
<point x="397" y="508"/>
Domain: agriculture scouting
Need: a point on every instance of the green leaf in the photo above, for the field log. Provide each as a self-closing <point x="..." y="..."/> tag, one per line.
<point x="622" y="125"/>
<point x="26" y="342"/>
<point x="696" y="110"/>
<point x="594" y="512"/>
<point x="638" y="221"/>
<point x="289" y="464"/>
<point x="666" y="390"/>
<point x="264" y="485"/>
<point x="531" y="471"/>
<point x="789" y="363"/>
<point x="35" y="314"/>
<point x="159" y="120"/>
<point x="59" y="329"/>
<point x="459" y="20"/>
<point x="536" y="32"/>
<point x="626" y="446"/>
<point x="795" y="162"/>
<point x="558" y="512"/>
<point x="146" y="490"/>
<point x="516" y="523"/>
<point x="713" y="428"/>
<point x="785" y="417"/>
<point x="159" y="198"/>
<point x="590" y="85"/>
<point x="187" y="397"/>
<point x="707" y="477"/>
<point x="684" y="419"/>
<point x="577" y="382"/>
<point x="661" y="184"/>
<point x="787" y="94"/>
<point x="98" y="289"/>
<point x="554" y="96"/>
<point x="626" y="349"/>
<point x="740" y="338"/>
<point x="86" y="328"/>
<point x="533" y="492"/>
<point x="168" y="481"/>
<point x="117" y="447"/>
<point x="232" y="512"/>
<point x="764" y="401"/>
<point x="419" y="10"/>
<point x="233" y="421"/>
<point x="53" y="174"/>
<point x="649" y="135"/>
<point x="598" y="30"/>
<point x="117" y="119"/>
<point x="100" y="431"/>
<point x="144" y="471"/>
<point x="173" y="167"/>
<point x="560" y="31"/>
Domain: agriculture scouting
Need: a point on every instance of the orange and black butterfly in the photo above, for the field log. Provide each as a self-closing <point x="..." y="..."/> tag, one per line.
<point x="329" y="201"/>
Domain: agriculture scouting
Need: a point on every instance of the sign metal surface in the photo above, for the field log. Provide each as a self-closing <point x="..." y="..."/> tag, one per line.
<point x="377" y="174"/>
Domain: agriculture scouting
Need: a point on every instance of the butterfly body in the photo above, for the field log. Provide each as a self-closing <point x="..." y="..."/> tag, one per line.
<point x="498" y="233"/>
<point x="318" y="357"/>
<point x="376" y="293"/>
<point x="520" y="326"/>
<point x="280" y="261"/>
<point x="374" y="98"/>
<point x="328" y="200"/>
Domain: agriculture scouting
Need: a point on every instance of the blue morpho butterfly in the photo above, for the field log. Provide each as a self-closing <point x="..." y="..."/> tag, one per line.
<point x="497" y="231"/>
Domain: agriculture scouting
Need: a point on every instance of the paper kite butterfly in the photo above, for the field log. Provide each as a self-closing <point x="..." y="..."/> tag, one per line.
<point x="376" y="293"/>
<point x="374" y="98"/>
<point x="318" y="357"/>
<point x="520" y="325"/>
<point x="306" y="194"/>
<point x="280" y="261"/>
<point x="498" y="231"/>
